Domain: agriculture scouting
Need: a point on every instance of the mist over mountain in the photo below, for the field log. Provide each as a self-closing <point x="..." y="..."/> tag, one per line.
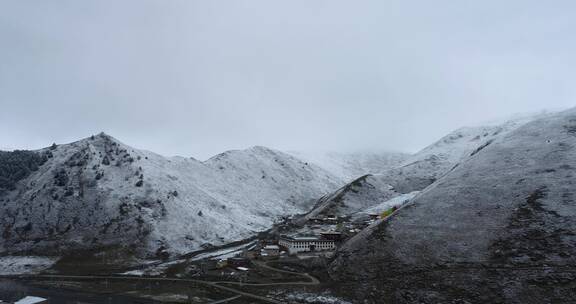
<point x="351" y="165"/>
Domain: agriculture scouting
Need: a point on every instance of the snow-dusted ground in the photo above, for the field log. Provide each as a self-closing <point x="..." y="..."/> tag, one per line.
<point x="402" y="174"/>
<point x="393" y="202"/>
<point x="224" y="253"/>
<point x="431" y="163"/>
<point x="30" y="300"/>
<point x="19" y="265"/>
<point x="353" y="197"/>
<point x="160" y="268"/>
<point x="311" y="298"/>
<point x="153" y="269"/>
<point x="136" y="273"/>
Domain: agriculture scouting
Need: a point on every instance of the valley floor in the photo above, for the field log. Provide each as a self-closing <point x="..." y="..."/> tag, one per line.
<point x="273" y="286"/>
<point x="113" y="274"/>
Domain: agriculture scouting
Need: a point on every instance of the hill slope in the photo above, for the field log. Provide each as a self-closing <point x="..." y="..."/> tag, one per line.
<point x="99" y="192"/>
<point x="429" y="164"/>
<point x="499" y="228"/>
<point x="416" y="172"/>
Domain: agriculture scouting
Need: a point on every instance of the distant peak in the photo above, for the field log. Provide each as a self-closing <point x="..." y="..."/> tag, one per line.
<point x="99" y="136"/>
<point x="260" y="148"/>
<point x="257" y="149"/>
<point x="254" y="150"/>
<point x="266" y="150"/>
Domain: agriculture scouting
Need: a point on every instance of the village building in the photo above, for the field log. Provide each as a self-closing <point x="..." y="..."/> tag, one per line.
<point x="306" y="244"/>
<point x="332" y="235"/>
<point x="238" y="262"/>
<point x="330" y="219"/>
<point x="270" y="251"/>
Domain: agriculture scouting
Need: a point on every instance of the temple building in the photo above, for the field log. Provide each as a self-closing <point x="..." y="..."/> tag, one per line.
<point x="299" y="244"/>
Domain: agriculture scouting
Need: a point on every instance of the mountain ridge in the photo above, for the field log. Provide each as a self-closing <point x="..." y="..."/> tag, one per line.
<point x="98" y="192"/>
<point x="417" y="171"/>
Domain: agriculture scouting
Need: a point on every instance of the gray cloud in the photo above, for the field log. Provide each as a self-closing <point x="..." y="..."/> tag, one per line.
<point x="198" y="77"/>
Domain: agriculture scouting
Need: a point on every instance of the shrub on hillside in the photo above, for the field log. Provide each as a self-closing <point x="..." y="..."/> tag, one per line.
<point x="17" y="165"/>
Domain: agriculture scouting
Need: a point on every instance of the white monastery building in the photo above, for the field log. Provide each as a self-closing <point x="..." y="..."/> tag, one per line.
<point x="305" y="244"/>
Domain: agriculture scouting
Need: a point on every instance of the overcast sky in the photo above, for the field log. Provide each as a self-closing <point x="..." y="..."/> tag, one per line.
<point x="195" y="78"/>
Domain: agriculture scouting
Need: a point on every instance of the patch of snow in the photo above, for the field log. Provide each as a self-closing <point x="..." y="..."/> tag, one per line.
<point x="394" y="202"/>
<point x="223" y="253"/>
<point x="311" y="298"/>
<point x="137" y="273"/>
<point x="30" y="300"/>
<point x="19" y="265"/>
<point x="362" y="193"/>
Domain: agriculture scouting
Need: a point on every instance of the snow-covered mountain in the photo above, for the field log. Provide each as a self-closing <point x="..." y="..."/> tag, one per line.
<point x="499" y="228"/>
<point x="412" y="173"/>
<point x="349" y="166"/>
<point x="100" y="192"/>
<point x="429" y="164"/>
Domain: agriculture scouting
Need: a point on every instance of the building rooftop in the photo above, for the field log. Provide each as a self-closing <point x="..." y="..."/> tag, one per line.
<point x="305" y="238"/>
<point x="330" y="232"/>
<point x="271" y="247"/>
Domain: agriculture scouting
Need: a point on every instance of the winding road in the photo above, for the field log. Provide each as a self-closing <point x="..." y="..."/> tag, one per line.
<point x="310" y="280"/>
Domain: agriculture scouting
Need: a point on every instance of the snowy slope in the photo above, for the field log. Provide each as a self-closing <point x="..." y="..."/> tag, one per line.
<point x="360" y="194"/>
<point x="429" y="164"/>
<point x="396" y="201"/>
<point x="499" y="228"/>
<point x="408" y="174"/>
<point x="349" y="166"/>
<point x="98" y="192"/>
<point x="10" y="265"/>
